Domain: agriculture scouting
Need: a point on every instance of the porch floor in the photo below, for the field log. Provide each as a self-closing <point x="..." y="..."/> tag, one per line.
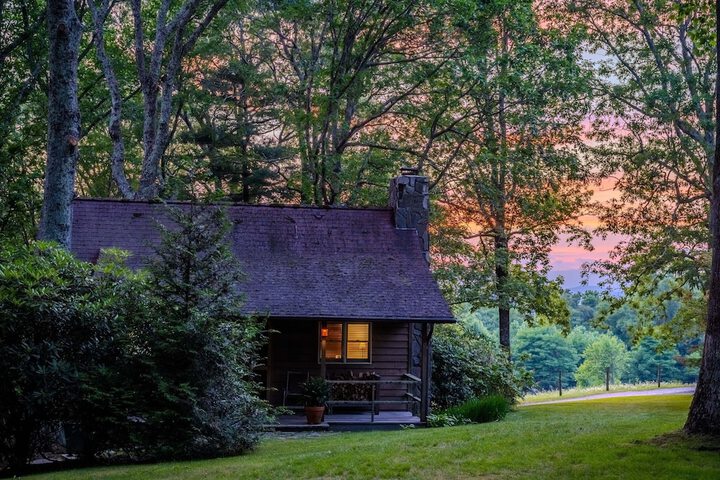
<point x="340" y="421"/>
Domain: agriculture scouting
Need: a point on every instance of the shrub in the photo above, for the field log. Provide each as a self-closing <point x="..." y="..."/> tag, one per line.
<point x="467" y="365"/>
<point x="154" y="364"/>
<point x="44" y="294"/>
<point x="482" y="409"/>
<point x="445" y="420"/>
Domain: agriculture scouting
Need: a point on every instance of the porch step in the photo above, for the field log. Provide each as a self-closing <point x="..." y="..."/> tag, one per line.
<point x="299" y="427"/>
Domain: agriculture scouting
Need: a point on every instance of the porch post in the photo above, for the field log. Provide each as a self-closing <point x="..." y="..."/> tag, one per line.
<point x="425" y="372"/>
<point x="323" y="344"/>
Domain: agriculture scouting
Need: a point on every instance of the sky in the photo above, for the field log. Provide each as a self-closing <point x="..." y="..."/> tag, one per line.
<point x="567" y="260"/>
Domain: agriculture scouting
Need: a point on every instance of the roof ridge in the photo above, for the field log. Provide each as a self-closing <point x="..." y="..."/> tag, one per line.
<point x="229" y="204"/>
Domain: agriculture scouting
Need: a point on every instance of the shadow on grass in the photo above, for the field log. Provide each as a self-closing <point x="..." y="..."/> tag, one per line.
<point x="681" y="439"/>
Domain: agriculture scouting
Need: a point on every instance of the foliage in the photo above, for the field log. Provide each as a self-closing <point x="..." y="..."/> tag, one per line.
<point x="466" y="365"/>
<point x="51" y="326"/>
<point x="316" y="391"/>
<point x="206" y="349"/>
<point x="150" y="364"/>
<point x="580" y="338"/>
<point x="645" y="359"/>
<point x="444" y="419"/>
<point x="607" y="352"/>
<point x="513" y="191"/>
<point x="654" y="134"/>
<point x="546" y="353"/>
<point x="489" y="408"/>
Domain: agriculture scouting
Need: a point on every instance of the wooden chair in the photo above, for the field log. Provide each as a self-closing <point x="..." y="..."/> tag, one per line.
<point x="293" y="387"/>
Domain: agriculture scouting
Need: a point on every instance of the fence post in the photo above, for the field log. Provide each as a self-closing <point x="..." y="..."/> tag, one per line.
<point x="607" y="379"/>
<point x="560" y="381"/>
<point x="658" y="375"/>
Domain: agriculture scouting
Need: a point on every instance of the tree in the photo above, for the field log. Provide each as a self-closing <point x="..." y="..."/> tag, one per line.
<point x="514" y="190"/>
<point x="580" y="338"/>
<point x="65" y="31"/>
<point x="653" y="133"/>
<point x="23" y="114"/>
<point x="158" y="72"/>
<point x="704" y="415"/>
<point x="607" y="352"/>
<point x="647" y="357"/>
<point x="206" y="350"/>
<point x="348" y="67"/>
<point x="548" y="355"/>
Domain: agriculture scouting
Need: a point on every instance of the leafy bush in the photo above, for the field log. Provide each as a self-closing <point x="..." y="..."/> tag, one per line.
<point x="49" y="329"/>
<point x="445" y="420"/>
<point x="481" y="409"/>
<point x="467" y="365"/>
<point x="154" y="364"/>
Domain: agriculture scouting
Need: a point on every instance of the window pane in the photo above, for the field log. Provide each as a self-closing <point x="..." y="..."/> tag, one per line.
<point x="358" y="341"/>
<point x="333" y="344"/>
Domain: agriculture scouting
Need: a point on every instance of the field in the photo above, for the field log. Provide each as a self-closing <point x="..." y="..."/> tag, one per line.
<point x="629" y="438"/>
<point x="576" y="392"/>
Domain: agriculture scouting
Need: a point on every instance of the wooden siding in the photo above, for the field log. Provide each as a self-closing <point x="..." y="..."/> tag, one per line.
<point x="294" y="347"/>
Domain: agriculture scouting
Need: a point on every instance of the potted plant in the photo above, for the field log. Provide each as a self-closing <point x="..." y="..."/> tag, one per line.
<point x="317" y="392"/>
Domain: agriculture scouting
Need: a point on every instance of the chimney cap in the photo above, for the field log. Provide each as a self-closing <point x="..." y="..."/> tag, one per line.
<point x="409" y="171"/>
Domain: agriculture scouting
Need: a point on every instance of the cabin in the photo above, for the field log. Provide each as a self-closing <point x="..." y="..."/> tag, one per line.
<point x="347" y="292"/>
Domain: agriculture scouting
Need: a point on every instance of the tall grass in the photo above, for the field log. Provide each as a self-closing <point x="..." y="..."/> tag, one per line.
<point x="484" y="409"/>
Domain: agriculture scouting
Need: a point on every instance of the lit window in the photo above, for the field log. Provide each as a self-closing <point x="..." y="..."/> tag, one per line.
<point x="346" y="341"/>
<point x="358" y="341"/>
<point x="334" y="342"/>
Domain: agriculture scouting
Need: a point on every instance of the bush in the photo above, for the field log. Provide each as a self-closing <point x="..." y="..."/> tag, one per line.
<point x="47" y="331"/>
<point x="468" y="365"/>
<point x="445" y="420"/>
<point x="154" y="364"/>
<point x="482" y="409"/>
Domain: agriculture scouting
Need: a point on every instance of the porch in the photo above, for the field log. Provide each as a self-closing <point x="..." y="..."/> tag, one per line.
<point x="384" y="420"/>
<point x="375" y="369"/>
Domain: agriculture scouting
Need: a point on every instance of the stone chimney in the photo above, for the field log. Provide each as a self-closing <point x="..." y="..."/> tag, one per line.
<point x="409" y="198"/>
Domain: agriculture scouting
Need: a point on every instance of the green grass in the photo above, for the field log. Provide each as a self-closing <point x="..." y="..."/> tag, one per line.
<point x="614" y="438"/>
<point x="585" y="391"/>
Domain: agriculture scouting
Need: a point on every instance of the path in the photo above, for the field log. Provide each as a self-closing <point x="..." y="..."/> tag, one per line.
<point x="637" y="393"/>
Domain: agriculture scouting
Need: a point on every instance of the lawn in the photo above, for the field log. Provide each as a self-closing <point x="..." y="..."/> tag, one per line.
<point x="576" y="392"/>
<point x="594" y="439"/>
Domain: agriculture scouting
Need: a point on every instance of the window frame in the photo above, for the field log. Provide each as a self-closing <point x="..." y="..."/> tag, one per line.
<point x="343" y="347"/>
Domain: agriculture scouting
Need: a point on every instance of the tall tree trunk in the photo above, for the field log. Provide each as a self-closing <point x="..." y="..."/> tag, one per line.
<point x="704" y="415"/>
<point x="501" y="275"/>
<point x="64" y="30"/>
<point x="502" y="257"/>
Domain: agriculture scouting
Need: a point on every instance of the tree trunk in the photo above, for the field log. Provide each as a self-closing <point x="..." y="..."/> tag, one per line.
<point x="501" y="275"/>
<point x="502" y="259"/>
<point x="704" y="415"/>
<point x="64" y="30"/>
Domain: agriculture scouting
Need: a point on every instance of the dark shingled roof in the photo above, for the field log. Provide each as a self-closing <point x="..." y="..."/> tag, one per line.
<point x="300" y="262"/>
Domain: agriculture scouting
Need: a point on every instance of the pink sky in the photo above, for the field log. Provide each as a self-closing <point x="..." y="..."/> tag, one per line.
<point x="571" y="257"/>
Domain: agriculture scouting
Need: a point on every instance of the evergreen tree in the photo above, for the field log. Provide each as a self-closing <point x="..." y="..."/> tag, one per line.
<point x="549" y="355"/>
<point x="207" y="349"/>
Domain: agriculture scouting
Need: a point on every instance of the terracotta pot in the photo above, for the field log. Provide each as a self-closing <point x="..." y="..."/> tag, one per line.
<point x="314" y="415"/>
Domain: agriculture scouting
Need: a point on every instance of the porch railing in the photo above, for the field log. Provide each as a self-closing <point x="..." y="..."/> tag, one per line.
<point x="411" y="395"/>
